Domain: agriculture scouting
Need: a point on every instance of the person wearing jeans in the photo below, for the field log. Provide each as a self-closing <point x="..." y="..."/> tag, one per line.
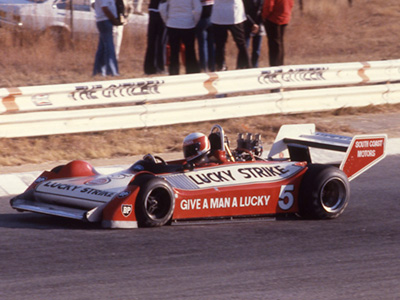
<point x="106" y="17"/>
<point x="205" y="38"/>
<point x="253" y="28"/>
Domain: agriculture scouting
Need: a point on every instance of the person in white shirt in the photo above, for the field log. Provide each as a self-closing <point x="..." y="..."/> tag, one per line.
<point x="106" y="17"/>
<point x="123" y="15"/>
<point x="229" y="15"/>
<point x="181" y="18"/>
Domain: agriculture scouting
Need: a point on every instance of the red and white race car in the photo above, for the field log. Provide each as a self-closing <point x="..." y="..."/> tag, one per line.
<point x="230" y="183"/>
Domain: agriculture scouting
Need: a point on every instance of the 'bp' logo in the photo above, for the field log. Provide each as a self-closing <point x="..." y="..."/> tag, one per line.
<point x="126" y="209"/>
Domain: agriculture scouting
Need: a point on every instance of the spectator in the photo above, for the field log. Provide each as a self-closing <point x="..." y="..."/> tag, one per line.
<point x="229" y="15"/>
<point x="105" y="60"/>
<point x="155" y="52"/>
<point x="276" y="15"/>
<point x="124" y="8"/>
<point x="181" y="18"/>
<point x="205" y="38"/>
<point x="252" y="28"/>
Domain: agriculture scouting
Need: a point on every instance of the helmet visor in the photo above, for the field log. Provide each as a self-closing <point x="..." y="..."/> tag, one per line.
<point x="191" y="150"/>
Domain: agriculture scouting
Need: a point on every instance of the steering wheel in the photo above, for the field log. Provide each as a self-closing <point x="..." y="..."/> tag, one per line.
<point x="153" y="159"/>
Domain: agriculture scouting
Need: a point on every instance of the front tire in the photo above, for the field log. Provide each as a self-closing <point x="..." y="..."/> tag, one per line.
<point x="324" y="192"/>
<point x="155" y="203"/>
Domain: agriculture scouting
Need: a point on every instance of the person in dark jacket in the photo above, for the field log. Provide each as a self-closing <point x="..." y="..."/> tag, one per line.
<point x="253" y="28"/>
<point x="154" y="60"/>
<point x="205" y="38"/>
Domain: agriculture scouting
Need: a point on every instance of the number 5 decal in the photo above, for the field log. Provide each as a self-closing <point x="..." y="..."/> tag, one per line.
<point x="286" y="198"/>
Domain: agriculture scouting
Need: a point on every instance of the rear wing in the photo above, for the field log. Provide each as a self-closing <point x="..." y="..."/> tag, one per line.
<point x="361" y="151"/>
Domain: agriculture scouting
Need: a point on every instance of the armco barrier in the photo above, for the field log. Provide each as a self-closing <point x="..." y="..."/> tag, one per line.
<point x="37" y="110"/>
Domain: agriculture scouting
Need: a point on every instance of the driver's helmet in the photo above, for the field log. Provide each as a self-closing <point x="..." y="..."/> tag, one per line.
<point x="195" y="147"/>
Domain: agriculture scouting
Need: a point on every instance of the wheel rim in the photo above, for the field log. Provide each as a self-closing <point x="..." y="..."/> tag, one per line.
<point x="158" y="204"/>
<point x="333" y="195"/>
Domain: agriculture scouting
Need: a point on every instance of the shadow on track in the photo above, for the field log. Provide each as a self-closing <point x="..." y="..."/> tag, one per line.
<point x="37" y="221"/>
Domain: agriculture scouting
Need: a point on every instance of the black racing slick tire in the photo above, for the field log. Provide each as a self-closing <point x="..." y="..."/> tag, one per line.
<point x="155" y="203"/>
<point x="324" y="192"/>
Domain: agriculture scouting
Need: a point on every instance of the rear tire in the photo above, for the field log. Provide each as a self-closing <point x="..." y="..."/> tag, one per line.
<point x="324" y="192"/>
<point x="155" y="203"/>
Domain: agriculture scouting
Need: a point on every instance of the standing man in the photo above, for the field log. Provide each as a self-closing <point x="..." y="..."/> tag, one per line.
<point x="253" y="30"/>
<point x="276" y="15"/>
<point x="156" y="40"/>
<point x="205" y="38"/>
<point x="181" y="18"/>
<point x="106" y="17"/>
<point x="124" y="8"/>
<point x="229" y="15"/>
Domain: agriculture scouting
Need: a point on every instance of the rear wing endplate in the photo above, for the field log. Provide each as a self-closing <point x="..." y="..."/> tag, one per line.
<point x="361" y="151"/>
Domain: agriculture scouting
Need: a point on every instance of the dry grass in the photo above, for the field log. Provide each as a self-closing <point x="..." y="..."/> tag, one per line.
<point x="325" y="32"/>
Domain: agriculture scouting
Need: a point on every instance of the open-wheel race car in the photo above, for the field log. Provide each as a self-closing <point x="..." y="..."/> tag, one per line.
<point x="213" y="181"/>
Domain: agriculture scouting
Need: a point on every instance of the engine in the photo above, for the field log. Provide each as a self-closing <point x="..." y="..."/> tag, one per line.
<point x="249" y="147"/>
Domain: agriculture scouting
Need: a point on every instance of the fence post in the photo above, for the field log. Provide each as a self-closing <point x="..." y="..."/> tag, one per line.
<point x="71" y="7"/>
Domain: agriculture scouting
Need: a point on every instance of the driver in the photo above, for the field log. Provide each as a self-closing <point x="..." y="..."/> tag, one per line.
<point x="196" y="146"/>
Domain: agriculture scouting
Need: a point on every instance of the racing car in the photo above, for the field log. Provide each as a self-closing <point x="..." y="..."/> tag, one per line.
<point x="212" y="181"/>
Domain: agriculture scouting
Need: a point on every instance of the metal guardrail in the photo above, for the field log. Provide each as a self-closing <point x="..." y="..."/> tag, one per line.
<point x="40" y="110"/>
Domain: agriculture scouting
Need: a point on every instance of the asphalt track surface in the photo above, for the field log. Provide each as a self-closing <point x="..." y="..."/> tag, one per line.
<point x="356" y="256"/>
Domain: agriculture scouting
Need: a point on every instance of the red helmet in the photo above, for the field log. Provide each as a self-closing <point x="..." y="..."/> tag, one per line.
<point x="195" y="147"/>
